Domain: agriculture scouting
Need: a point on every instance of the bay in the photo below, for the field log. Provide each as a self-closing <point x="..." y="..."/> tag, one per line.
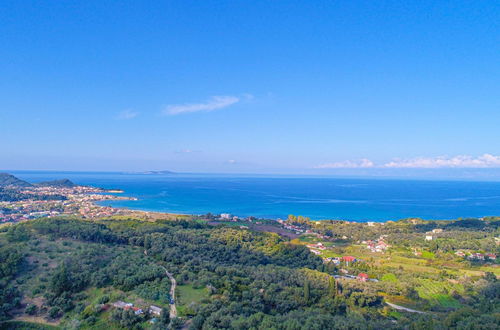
<point x="277" y="196"/>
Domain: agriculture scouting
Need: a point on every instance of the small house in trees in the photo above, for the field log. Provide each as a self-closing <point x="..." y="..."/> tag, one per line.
<point x="154" y="310"/>
<point x="363" y="277"/>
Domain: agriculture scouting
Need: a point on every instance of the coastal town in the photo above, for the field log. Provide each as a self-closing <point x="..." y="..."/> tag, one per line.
<point x="55" y="199"/>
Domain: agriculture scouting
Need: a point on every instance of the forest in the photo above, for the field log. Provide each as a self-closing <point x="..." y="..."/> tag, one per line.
<point x="67" y="273"/>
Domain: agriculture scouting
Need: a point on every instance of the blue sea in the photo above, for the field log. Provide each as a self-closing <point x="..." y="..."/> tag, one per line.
<point x="276" y="197"/>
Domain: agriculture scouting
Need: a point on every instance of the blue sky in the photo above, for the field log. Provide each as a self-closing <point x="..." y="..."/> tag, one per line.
<point x="249" y="86"/>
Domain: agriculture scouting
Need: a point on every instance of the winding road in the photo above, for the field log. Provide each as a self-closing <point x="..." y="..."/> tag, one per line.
<point x="402" y="308"/>
<point x="173" y="309"/>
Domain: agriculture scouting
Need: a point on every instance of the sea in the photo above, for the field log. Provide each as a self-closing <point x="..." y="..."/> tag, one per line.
<point x="274" y="197"/>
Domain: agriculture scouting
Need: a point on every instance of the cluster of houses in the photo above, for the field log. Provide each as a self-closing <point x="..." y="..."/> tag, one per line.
<point x="316" y="248"/>
<point x="228" y="217"/>
<point x="429" y="235"/>
<point x="18" y="213"/>
<point x="79" y="200"/>
<point x="362" y="277"/>
<point x="152" y="310"/>
<point x="477" y="256"/>
<point x="377" y="246"/>
<point x="337" y="260"/>
<point x="294" y="228"/>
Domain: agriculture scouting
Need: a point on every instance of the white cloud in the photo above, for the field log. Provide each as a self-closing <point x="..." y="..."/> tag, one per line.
<point x="362" y="163"/>
<point x="463" y="161"/>
<point x="127" y="114"/>
<point x="214" y="103"/>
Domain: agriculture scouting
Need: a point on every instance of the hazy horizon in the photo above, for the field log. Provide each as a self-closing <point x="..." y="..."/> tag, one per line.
<point x="490" y="175"/>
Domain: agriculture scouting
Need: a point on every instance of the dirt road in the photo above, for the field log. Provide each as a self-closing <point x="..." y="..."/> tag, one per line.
<point x="402" y="308"/>
<point x="173" y="309"/>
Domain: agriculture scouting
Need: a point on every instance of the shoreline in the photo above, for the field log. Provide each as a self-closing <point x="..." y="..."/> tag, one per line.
<point x="90" y="200"/>
<point x="242" y="217"/>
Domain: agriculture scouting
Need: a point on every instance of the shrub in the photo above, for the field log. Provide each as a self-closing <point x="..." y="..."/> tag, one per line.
<point x="55" y="312"/>
<point x="103" y="299"/>
<point x="31" y="309"/>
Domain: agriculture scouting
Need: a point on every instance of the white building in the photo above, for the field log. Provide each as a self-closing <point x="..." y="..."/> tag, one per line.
<point x="155" y="310"/>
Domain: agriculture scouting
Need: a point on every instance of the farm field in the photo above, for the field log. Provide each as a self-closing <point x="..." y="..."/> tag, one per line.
<point x="440" y="293"/>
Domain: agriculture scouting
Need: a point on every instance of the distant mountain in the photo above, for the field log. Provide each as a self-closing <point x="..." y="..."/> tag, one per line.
<point x="157" y="172"/>
<point x="7" y="179"/>
<point x="63" y="183"/>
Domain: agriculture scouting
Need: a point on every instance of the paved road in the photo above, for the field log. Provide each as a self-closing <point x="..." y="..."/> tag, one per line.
<point x="173" y="309"/>
<point x="402" y="308"/>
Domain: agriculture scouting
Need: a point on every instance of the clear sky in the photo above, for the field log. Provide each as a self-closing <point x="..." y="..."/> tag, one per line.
<point x="249" y="86"/>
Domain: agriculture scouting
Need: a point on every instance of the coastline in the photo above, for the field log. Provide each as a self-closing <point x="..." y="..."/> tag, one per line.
<point x="356" y="200"/>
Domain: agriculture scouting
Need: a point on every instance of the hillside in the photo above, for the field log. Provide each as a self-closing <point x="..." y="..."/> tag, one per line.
<point x="7" y="179"/>
<point x="62" y="183"/>
<point x="67" y="272"/>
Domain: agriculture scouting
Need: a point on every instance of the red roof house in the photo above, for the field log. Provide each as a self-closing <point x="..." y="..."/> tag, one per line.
<point x="348" y="259"/>
<point x="363" y="277"/>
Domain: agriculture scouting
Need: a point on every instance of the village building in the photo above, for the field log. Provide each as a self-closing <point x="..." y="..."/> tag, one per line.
<point x="476" y="256"/>
<point x="491" y="256"/>
<point x="460" y="253"/>
<point x="154" y="310"/>
<point x="380" y="246"/>
<point x="363" y="277"/>
<point x="122" y="304"/>
<point x="335" y="261"/>
<point x="348" y="259"/>
<point x="137" y="311"/>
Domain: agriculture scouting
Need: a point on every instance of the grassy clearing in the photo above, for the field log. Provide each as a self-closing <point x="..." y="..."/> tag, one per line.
<point x="309" y="239"/>
<point x="412" y="267"/>
<point x="428" y="255"/>
<point x="389" y="277"/>
<point x="406" y="260"/>
<point x="187" y="294"/>
<point x="494" y="269"/>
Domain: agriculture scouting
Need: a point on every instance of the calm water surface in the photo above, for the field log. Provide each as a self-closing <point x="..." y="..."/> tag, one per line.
<point x="276" y="197"/>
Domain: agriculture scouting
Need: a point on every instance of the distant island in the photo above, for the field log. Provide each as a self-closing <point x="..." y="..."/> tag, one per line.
<point x="155" y="172"/>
